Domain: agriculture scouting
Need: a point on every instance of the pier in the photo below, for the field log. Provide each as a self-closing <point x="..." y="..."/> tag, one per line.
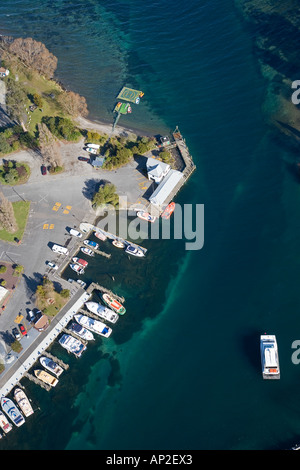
<point x="104" y="290"/>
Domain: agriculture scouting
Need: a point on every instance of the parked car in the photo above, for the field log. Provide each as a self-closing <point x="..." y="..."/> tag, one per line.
<point x="23" y="330"/>
<point x="52" y="265"/>
<point x="43" y="170"/>
<point x="83" y="159"/>
<point x="16" y="333"/>
<point x="31" y="315"/>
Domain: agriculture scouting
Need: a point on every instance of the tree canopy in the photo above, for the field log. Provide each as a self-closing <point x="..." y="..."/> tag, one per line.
<point x="106" y="195"/>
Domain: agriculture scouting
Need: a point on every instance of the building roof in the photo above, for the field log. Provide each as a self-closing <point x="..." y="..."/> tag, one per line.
<point x="98" y="161"/>
<point x="165" y="188"/>
<point x="156" y="168"/>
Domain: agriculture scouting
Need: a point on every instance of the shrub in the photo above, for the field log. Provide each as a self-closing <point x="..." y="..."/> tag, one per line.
<point x="3" y="269"/>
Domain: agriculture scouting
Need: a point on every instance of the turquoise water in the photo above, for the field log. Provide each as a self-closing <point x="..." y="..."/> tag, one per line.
<point x="182" y="368"/>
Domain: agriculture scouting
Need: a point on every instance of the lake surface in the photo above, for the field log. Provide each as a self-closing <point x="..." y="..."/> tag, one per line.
<point x="182" y="367"/>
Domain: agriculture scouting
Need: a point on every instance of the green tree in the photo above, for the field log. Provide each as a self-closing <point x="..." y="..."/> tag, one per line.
<point x="106" y="195"/>
<point x="37" y="99"/>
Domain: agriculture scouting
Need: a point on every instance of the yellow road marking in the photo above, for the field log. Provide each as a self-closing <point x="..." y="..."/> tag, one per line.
<point x="69" y="207"/>
<point x="51" y="227"/>
<point x="66" y="212"/>
<point x="45" y="226"/>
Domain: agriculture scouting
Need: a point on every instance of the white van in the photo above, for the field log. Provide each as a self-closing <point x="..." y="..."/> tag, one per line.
<point x="75" y="233"/>
<point x="60" y="249"/>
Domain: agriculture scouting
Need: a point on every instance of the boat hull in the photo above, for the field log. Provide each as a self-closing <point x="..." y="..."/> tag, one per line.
<point x="114" y="304"/>
<point x="4" y="423"/>
<point x="72" y="345"/>
<point x="45" y="377"/>
<point x="94" y="325"/>
<point x="51" y="366"/>
<point x="12" y="411"/>
<point x="23" y="402"/>
<point x="102" y="311"/>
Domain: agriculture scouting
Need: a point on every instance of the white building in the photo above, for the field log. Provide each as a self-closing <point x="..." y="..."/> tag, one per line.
<point x="156" y="169"/>
<point x="165" y="188"/>
<point x="3" y="72"/>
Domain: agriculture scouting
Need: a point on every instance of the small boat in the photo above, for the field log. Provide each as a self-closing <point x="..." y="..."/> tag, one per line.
<point x="269" y="357"/>
<point x="72" y="345"/>
<point x="114" y="304"/>
<point x="168" y="211"/>
<point x="91" y="244"/>
<point x="134" y="251"/>
<point x="4" y="423"/>
<point x="87" y="251"/>
<point x="118" y="244"/>
<point x="80" y="261"/>
<point x="81" y="283"/>
<point x="91" y="150"/>
<point x="103" y="312"/>
<point x="51" y="365"/>
<point x="23" y="402"/>
<point x="101" y="236"/>
<point x="77" y="268"/>
<point x="146" y="216"/>
<point x="94" y="325"/>
<point x="93" y="146"/>
<point x="45" y="377"/>
<point x="12" y="411"/>
<point x="82" y="332"/>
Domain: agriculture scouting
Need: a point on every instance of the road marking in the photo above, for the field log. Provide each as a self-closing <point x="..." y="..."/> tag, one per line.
<point x="65" y="212"/>
<point x="51" y="226"/>
<point x="69" y="207"/>
<point x="45" y="226"/>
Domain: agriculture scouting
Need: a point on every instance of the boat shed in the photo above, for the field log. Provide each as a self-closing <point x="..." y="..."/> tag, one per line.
<point x="156" y="169"/>
<point x="165" y="188"/>
<point x="97" y="162"/>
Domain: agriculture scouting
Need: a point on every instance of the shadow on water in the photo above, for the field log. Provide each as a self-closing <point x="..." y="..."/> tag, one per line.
<point x="250" y="348"/>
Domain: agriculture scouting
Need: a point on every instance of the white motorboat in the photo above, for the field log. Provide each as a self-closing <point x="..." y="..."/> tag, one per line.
<point x="93" y="325"/>
<point x="103" y="311"/>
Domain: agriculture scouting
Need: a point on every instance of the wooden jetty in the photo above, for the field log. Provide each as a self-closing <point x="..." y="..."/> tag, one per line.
<point x="73" y="333"/>
<point x="95" y="286"/>
<point x="37" y="381"/>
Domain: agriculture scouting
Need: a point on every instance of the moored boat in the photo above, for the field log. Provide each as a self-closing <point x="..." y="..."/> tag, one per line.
<point x="134" y="251"/>
<point x="94" y="325"/>
<point x="101" y="236"/>
<point x="12" y="411"/>
<point x="72" y="345"/>
<point x="146" y="216"/>
<point x="4" y="423"/>
<point x="80" y="261"/>
<point x="103" y="312"/>
<point x="51" y="365"/>
<point x="114" y="304"/>
<point x="23" y="402"/>
<point x="81" y="283"/>
<point x="87" y="251"/>
<point x="46" y="377"/>
<point x="118" y="244"/>
<point x="168" y="211"/>
<point x="91" y="244"/>
<point x="77" y="268"/>
<point x="269" y="357"/>
<point x="82" y="332"/>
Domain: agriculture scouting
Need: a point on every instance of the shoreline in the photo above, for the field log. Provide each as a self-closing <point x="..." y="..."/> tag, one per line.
<point x="106" y="128"/>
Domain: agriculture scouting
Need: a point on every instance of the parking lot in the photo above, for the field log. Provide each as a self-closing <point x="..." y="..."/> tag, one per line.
<point x="58" y="202"/>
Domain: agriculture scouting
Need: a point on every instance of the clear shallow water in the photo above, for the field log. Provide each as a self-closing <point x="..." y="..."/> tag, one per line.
<point x="182" y="369"/>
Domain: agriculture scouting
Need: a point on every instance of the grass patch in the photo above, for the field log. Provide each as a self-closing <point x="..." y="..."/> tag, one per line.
<point x="51" y="309"/>
<point x="21" y="210"/>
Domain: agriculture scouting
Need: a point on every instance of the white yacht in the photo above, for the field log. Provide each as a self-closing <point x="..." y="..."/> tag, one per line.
<point x="269" y="357"/>
<point x="80" y="331"/>
<point x="72" y="344"/>
<point x="103" y="312"/>
<point x="51" y="365"/>
<point x="93" y="325"/>
<point x="23" y="402"/>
